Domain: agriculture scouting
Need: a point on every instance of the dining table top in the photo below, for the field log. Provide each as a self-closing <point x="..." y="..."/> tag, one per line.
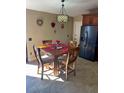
<point x="54" y="49"/>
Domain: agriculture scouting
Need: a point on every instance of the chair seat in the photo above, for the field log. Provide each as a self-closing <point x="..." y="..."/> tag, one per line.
<point x="62" y="57"/>
<point x="47" y="58"/>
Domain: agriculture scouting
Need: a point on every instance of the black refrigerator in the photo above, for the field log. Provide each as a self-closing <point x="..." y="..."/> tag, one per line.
<point x="89" y="42"/>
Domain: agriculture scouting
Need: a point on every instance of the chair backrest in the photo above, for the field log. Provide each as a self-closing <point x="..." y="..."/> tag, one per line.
<point x="37" y="54"/>
<point x="72" y="55"/>
<point x="47" y="41"/>
<point x="72" y="44"/>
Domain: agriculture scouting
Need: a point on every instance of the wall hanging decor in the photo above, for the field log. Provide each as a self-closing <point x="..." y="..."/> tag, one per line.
<point x="53" y="24"/>
<point x="39" y="22"/>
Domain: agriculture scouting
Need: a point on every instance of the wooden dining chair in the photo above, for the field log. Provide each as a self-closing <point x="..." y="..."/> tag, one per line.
<point x="42" y="60"/>
<point x="69" y="63"/>
<point x="72" y="44"/>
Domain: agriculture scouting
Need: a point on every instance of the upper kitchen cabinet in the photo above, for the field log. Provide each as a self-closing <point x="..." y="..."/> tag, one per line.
<point x="90" y="19"/>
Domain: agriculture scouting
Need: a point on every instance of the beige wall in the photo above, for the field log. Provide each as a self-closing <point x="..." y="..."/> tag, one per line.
<point x="45" y="32"/>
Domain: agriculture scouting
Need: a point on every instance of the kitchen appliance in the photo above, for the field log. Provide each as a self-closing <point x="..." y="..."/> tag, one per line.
<point x="89" y="42"/>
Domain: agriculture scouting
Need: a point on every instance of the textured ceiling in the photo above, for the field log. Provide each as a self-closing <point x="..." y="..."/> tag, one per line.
<point x="73" y="7"/>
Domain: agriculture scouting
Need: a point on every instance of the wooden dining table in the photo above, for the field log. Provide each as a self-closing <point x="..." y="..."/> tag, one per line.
<point x="56" y="50"/>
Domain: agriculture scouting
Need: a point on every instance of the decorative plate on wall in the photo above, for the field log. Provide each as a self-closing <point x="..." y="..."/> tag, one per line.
<point x="39" y="22"/>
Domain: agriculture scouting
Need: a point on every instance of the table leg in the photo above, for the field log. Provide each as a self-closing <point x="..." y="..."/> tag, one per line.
<point x="56" y="72"/>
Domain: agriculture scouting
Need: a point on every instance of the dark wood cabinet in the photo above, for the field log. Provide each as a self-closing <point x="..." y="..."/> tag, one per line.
<point x="90" y="19"/>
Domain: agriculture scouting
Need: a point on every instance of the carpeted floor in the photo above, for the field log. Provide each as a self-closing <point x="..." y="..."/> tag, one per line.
<point x="85" y="81"/>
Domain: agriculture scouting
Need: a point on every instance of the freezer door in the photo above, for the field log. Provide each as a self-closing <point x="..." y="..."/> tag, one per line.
<point x="82" y="50"/>
<point x="82" y="42"/>
<point x="83" y="36"/>
<point x="92" y="35"/>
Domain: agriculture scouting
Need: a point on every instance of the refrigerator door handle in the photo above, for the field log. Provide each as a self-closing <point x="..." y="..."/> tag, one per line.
<point x="86" y="38"/>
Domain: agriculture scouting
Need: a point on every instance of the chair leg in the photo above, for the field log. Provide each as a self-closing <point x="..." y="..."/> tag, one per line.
<point x="42" y="72"/>
<point x="66" y="77"/>
<point x="38" y="69"/>
<point x="66" y="73"/>
<point x="74" y="68"/>
<point x="74" y="72"/>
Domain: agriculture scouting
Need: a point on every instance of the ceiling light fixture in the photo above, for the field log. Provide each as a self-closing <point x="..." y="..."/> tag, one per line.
<point x="62" y="17"/>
